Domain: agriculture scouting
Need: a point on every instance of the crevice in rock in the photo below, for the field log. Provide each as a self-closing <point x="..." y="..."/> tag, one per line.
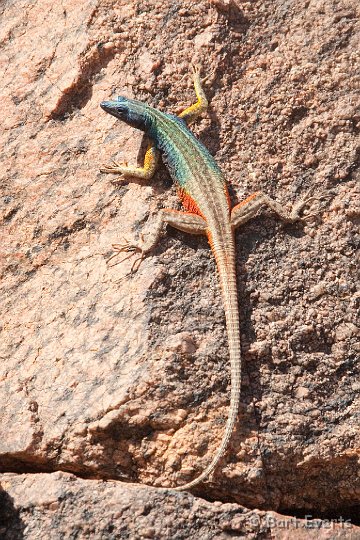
<point x="340" y="515"/>
<point x="20" y="465"/>
<point x="343" y="513"/>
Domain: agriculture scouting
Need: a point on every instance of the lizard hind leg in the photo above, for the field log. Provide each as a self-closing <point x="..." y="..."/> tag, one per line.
<point x="247" y="209"/>
<point x="183" y="221"/>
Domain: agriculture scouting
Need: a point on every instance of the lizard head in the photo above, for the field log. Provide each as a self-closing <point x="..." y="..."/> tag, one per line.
<point x="129" y="110"/>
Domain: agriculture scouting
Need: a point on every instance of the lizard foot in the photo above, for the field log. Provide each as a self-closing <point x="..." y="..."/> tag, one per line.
<point x="127" y="247"/>
<point x="309" y="198"/>
<point x="115" y="168"/>
<point x="196" y="70"/>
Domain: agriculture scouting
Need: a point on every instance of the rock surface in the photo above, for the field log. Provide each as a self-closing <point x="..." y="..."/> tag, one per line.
<point x="59" y="505"/>
<point x="111" y="376"/>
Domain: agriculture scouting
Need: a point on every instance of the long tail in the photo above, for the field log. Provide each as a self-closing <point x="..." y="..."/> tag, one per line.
<point x="226" y="267"/>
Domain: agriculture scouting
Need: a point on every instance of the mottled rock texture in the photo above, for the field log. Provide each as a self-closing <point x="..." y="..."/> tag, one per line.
<point x="111" y="376"/>
<point x="61" y="506"/>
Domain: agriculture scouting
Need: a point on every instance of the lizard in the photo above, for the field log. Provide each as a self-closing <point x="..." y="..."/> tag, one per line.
<point x="207" y="210"/>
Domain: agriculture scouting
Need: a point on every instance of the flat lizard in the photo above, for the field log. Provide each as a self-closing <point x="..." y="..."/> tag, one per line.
<point x="204" y="194"/>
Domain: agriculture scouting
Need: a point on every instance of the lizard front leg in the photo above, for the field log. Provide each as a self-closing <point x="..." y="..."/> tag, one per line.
<point x="146" y="172"/>
<point x="192" y="112"/>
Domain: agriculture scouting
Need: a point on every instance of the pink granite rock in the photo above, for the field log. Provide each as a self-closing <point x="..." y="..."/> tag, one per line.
<point x="120" y="377"/>
<point x="59" y="505"/>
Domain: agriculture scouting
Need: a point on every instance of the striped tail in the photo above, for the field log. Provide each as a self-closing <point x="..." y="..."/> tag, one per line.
<point x="225" y="260"/>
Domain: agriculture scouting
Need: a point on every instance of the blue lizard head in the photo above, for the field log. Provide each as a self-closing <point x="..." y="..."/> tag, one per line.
<point x="129" y="110"/>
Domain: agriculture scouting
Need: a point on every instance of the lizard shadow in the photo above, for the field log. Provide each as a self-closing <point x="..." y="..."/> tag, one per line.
<point x="248" y="240"/>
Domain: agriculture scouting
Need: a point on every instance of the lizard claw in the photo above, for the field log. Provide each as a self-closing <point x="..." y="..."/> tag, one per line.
<point x="195" y="68"/>
<point x="115" y="167"/>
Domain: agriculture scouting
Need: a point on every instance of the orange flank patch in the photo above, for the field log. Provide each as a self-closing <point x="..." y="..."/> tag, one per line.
<point x="188" y="203"/>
